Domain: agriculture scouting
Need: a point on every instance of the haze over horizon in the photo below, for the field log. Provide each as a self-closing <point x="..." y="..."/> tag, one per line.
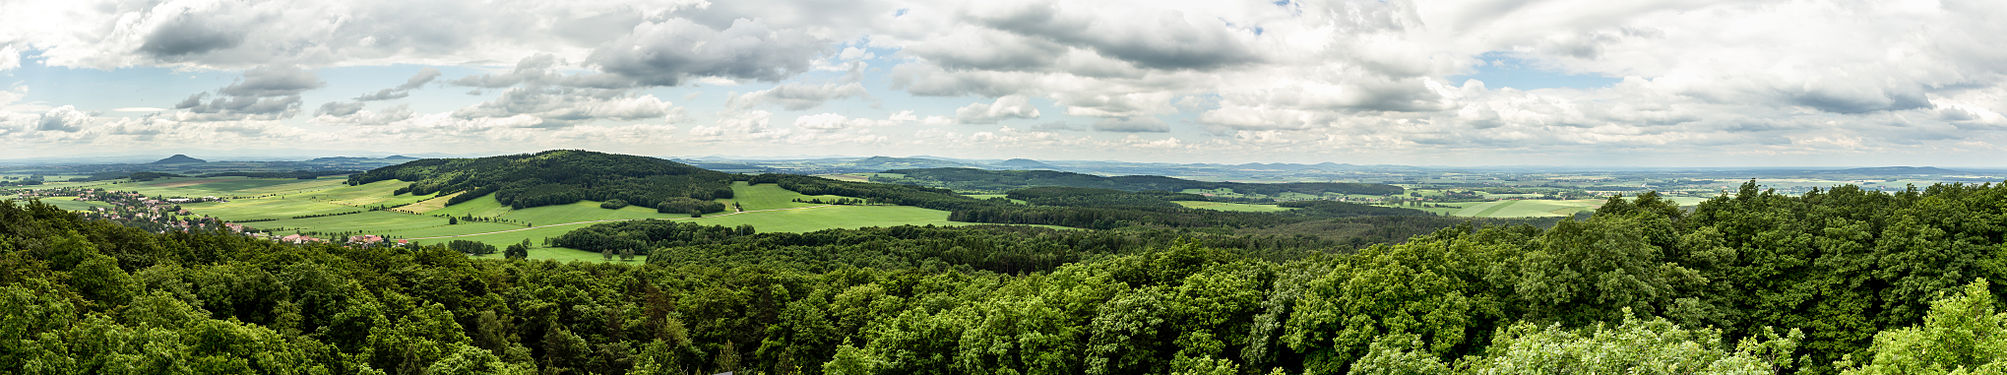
<point x="1439" y="83"/>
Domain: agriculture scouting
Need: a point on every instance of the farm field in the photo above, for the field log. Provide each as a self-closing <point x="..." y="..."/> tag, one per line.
<point x="278" y="205"/>
<point x="1529" y="207"/>
<point x="70" y="203"/>
<point x="768" y="196"/>
<point x="192" y="187"/>
<point x="1236" y="207"/>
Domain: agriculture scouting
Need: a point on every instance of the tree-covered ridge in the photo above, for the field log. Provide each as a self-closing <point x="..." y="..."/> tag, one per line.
<point x="972" y="179"/>
<point x="1840" y="281"/>
<point x="561" y="177"/>
<point x="1071" y="207"/>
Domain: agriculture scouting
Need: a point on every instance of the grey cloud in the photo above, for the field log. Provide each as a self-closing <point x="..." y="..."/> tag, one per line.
<point x="667" y="53"/>
<point x="986" y="49"/>
<point x="273" y="81"/>
<point x="558" y="107"/>
<point x="423" y="77"/>
<point x="1164" y="40"/>
<point x="542" y="70"/>
<point x="240" y="107"/>
<point x="264" y="93"/>
<point x="797" y="97"/>
<point x="1834" y="101"/>
<point x="62" y="119"/>
<point x="187" y="35"/>
<point x="339" y="109"/>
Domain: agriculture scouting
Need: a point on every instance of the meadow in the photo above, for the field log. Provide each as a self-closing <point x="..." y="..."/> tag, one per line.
<point x="327" y="206"/>
<point x="1236" y="207"/>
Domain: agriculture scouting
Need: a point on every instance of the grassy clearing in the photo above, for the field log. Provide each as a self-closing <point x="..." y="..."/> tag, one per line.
<point x="768" y="196"/>
<point x="563" y="254"/>
<point x="582" y="211"/>
<point x="1236" y="207"/>
<point x="378" y="193"/>
<point x="428" y="205"/>
<point x="225" y="186"/>
<point x="267" y="208"/>
<point x="854" y="177"/>
<point x="819" y="218"/>
<point x="71" y="203"/>
<point x="384" y="223"/>
<point x="485" y="206"/>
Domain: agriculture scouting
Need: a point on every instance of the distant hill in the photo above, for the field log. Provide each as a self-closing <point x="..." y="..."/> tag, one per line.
<point x="993" y="180"/>
<point x="879" y="163"/>
<point x="179" y="159"/>
<point x="563" y="177"/>
<point x="399" y="157"/>
<point x="1025" y="164"/>
<point x="1898" y="170"/>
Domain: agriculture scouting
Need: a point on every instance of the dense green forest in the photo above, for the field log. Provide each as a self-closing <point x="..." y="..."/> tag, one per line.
<point x="1841" y="281"/>
<point x="971" y="179"/>
<point x="561" y="177"/>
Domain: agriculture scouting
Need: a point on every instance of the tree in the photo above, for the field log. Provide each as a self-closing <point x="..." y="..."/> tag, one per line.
<point x="1636" y="345"/>
<point x="1963" y="334"/>
<point x="518" y="251"/>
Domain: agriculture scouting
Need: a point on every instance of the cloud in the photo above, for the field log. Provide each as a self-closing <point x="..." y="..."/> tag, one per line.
<point x="63" y="119"/>
<point x="359" y="116"/>
<point x="567" y="106"/>
<point x="1147" y="37"/>
<point x="339" y="109"/>
<point x="669" y="52"/>
<point x="830" y="122"/>
<point x="263" y="93"/>
<point x="799" y="96"/>
<point x="738" y="125"/>
<point x="1132" y="125"/>
<point x="536" y="88"/>
<point x="423" y="77"/>
<point x="185" y="34"/>
<point x="278" y="80"/>
<point x="1008" y="107"/>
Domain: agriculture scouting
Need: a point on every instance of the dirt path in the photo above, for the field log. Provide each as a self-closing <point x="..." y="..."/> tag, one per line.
<point x="613" y="220"/>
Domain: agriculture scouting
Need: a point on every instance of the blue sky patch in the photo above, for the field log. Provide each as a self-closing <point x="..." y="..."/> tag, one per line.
<point x="1503" y="69"/>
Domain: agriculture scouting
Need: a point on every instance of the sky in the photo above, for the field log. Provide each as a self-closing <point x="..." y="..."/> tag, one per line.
<point x="1647" y="83"/>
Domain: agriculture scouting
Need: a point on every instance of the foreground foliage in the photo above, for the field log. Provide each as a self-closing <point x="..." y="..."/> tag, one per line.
<point x="1834" y="281"/>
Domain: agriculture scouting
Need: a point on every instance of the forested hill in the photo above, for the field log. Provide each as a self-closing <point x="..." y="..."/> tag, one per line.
<point x="970" y="179"/>
<point x="561" y="177"/>
<point x="1846" y="281"/>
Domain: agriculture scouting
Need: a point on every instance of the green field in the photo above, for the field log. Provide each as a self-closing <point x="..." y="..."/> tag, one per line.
<point x="768" y="196"/>
<point x="227" y="186"/>
<point x="70" y="203"/>
<point x="274" y="204"/>
<point x="1236" y="207"/>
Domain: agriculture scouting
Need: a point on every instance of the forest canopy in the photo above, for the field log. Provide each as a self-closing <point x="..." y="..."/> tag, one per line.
<point x="1841" y="281"/>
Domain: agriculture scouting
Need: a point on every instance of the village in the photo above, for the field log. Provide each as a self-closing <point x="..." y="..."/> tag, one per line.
<point x="162" y="215"/>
